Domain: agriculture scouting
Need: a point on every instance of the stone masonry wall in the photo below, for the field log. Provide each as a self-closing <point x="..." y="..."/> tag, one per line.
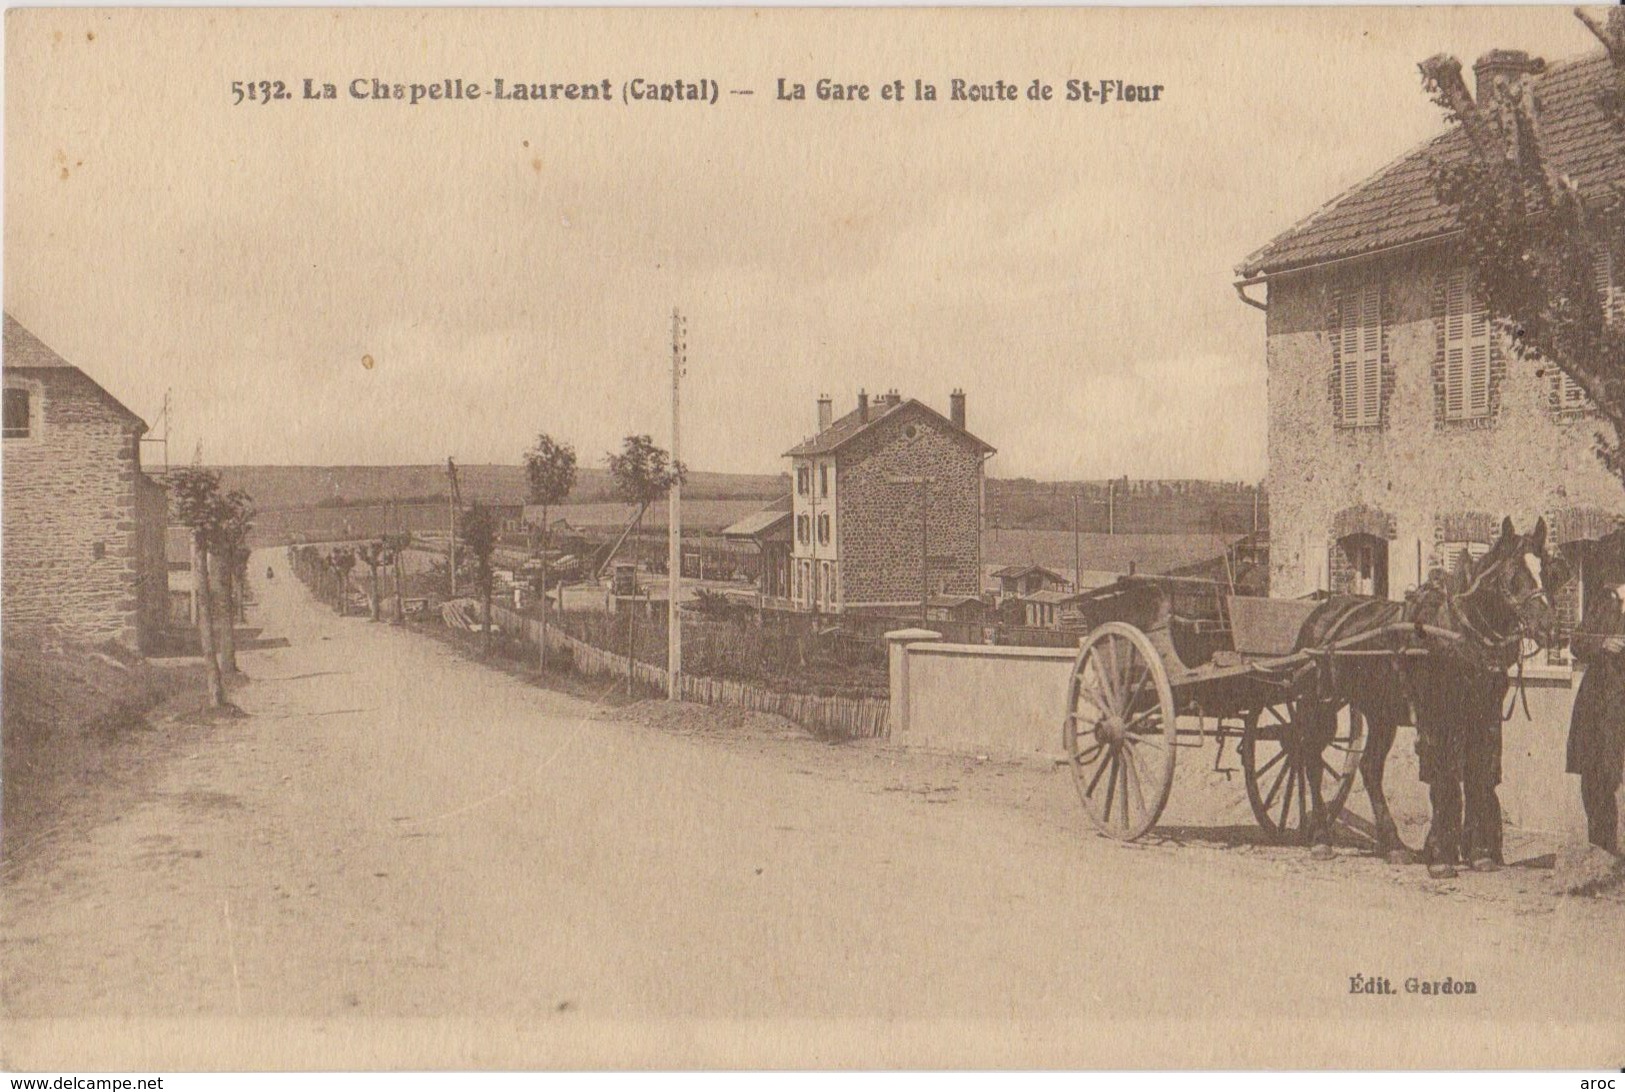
<point x="1417" y="473"/>
<point x="72" y="549"/>
<point x="879" y="522"/>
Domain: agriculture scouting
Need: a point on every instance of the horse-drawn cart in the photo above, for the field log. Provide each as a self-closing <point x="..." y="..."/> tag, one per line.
<point x="1181" y="660"/>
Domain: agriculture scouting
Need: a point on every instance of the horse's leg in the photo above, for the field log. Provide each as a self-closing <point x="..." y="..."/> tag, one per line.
<point x="1379" y="741"/>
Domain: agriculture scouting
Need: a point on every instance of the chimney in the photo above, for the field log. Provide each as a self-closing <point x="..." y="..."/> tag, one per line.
<point x="1502" y="66"/>
<point x="956" y="408"/>
<point x="863" y="407"/>
<point x="826" y="412"/>
<point x="893" y="398"/>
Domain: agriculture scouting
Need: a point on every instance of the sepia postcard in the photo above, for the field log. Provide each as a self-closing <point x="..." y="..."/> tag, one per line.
<point x="813" y="538"/>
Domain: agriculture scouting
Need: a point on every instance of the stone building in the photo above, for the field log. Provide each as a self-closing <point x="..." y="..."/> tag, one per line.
<point x="886" y="507"/>
<point x="84" y="527"/>
<point x="1402" y="428"/>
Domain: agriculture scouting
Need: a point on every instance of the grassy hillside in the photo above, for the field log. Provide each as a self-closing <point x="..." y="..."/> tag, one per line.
<point x="279" y="487"/>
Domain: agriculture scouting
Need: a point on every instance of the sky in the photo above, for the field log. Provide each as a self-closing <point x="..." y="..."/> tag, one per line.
<point x="509" y="268"/>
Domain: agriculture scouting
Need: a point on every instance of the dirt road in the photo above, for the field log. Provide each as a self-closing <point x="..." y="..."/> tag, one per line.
<point x="401" y="857"/>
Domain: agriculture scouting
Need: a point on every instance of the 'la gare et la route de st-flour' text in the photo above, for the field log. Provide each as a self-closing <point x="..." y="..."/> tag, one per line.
<point x="700" y="90"/>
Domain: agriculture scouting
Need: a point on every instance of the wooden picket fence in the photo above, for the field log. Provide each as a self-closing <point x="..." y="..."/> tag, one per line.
<point x="827" y="715"/>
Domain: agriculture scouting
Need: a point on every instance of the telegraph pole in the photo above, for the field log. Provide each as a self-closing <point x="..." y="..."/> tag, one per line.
<point x="674" y="517"/>
<point x="1077" y="545"/>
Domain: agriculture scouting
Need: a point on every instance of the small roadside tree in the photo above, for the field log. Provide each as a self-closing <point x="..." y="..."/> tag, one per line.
<point x="231" y="560"/>
<point x="550" y="469"/>
<point x="195" y="503"/>
<point x="342" y="560"/>
<point x="479" y="535"/>
<point x="1533" y="237"/>
<point x="398" y="545"/>
<point x="374" y="555"/>
<point x="643" y="473"/>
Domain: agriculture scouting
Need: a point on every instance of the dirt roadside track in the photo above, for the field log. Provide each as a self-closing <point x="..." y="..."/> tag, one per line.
<point x="404" y="858"/>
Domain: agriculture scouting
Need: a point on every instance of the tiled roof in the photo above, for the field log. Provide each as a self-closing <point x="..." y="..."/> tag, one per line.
<point x="1397" y="205"/>
<point x="1013" y="571"/>
<point x="756" y="523"/>
<point x="849" y="427"/>
<point x="24" y="350"/>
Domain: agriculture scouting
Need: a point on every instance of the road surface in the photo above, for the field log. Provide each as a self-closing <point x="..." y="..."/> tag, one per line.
<point x="403" y="857"/>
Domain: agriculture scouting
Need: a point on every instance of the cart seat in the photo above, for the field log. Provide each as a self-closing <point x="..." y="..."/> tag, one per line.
<point x="1260" y="626"/>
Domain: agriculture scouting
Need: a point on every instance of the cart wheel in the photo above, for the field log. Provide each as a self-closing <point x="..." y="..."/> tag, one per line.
<point x="1119" y="730"/>
<point x="1296" y="757"/>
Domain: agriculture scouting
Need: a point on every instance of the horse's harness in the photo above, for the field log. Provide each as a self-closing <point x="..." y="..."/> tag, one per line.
<point x="1489" y="640"/>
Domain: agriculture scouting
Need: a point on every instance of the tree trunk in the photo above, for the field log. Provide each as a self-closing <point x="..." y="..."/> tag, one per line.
<point x="400" y="608"/>
<point x="226" y="644"/>
<point x="485" y="609"/>
<point x="541" y="652"/>
<point x="341" y="591"/>
<point x="205" y="623"/>
<point x="376" y="615"/>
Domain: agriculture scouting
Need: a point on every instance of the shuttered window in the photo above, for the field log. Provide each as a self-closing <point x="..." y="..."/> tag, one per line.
<point x="1566" y="393"/>
<point x="1467" y="334"/>
<point x="1360" y="355"/>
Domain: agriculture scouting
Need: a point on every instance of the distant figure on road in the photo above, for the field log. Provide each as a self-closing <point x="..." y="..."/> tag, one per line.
<point x="268" y="573"/>
<point x="1597" y="731"/>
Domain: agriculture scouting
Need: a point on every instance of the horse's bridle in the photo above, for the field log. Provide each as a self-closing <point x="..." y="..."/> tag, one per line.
<point x="1514" y="639"/>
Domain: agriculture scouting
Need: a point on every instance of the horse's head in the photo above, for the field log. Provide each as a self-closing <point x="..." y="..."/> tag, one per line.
<point x="1512" y="585"/>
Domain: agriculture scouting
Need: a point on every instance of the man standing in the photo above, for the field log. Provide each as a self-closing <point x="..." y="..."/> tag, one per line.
<point x="1597" y="731"/>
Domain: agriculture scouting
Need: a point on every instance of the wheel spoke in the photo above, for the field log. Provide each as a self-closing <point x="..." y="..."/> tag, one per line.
<point x="1275" y="788"/>
<point x="1083" y="757"/>
<point x="1154" y="711"/>
<point x="1286" y="798"/>
<point x="1258" y="775"/>
<point x="1111" y="787"/>
<point x="1105" y="763"/>
<point x="1303" y="798"/>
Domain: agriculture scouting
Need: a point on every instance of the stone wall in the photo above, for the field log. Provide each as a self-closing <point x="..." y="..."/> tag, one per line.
<point x="879" y="520"/>
<point x="1418" y="472"/>
<point x="74" y="553"/>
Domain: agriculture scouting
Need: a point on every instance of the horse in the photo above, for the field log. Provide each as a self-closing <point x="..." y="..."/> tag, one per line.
<point x="1453" y="692"/>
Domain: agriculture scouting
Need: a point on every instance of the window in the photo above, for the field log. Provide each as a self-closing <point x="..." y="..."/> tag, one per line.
<point x="823" y="529"/>
<point x="803" y="529"/>
<point x="1566" y="393"/>
<point x="1359" y="343"/>
<point x="803" y="479"/>
<point x="823" y="479"/>
<point x="1606" y="274"/>
<point x="1450" y="553"/>
<point x="1467" y="335"/>
<point x="18" y="413"/>
<point x="827" y="584"/>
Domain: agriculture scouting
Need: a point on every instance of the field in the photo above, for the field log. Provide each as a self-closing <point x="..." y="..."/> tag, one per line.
<point x="327" y="524"/>
<point x="1105" y="553"/>
<point x="1199" y="507"/>
<point x="276" y="487"/>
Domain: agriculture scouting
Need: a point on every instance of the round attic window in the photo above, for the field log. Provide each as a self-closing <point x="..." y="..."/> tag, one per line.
<point x="911" y="431"/>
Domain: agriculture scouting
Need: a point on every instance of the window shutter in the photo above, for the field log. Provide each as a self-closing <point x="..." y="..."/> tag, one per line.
<point x="1467" y="337"/>
<point x="1602" y="272"/>
<point x="1371" y="355"/>
<point x="1478" y="360"/>
<point x="1360" y="354"/>
<point x="1455" y="344"/>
